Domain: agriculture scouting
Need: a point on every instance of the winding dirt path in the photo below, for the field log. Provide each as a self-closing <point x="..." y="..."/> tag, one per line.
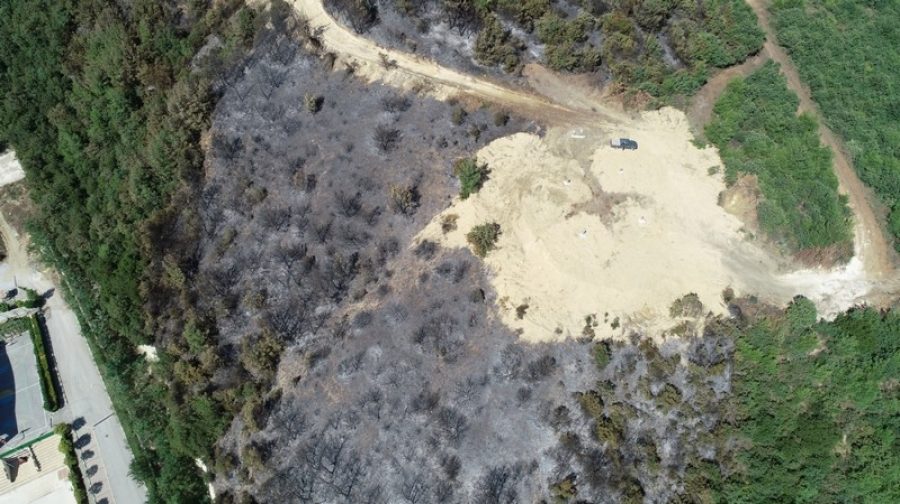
<point x="700" y="110"/>
<point x="868" y="277"/>
<point x="872" y="246"/>
<point x="409" y="71"/>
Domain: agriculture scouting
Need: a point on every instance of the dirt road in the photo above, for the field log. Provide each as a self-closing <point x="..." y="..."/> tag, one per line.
<point x="871" y="244"/>
<point x="700" y="110"/>
<point x="558" y="102"/>
<point x="408" y="71"/>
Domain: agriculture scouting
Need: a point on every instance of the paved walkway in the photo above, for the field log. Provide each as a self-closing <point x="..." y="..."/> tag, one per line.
<point x="101" y="443"/>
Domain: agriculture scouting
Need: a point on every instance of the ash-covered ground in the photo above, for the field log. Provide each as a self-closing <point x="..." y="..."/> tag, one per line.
<point x="396" y="381"/>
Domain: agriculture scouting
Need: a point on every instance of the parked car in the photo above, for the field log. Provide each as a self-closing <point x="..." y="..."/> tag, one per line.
<point x="623" y="143"/>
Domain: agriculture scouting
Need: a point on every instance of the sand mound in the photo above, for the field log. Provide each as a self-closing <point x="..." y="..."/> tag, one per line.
<point x="588" y="230"/>
<point x="10" y="169"/>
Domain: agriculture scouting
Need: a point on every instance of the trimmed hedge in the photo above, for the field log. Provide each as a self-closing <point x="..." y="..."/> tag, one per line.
<point x="67" y="447"/>
<point x="13" y="327"/>
<point x="48" y="382"/>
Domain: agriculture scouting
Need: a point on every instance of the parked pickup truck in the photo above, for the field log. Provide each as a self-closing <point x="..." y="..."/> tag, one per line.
<point x="623" y="143"/>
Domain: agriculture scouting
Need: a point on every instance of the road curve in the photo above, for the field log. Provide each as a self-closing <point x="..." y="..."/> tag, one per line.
<point x="872" y="245"/>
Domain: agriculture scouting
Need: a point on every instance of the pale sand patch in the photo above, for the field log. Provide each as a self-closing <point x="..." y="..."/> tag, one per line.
<point x="10" y="169"/>
<point x="667" y="238"/>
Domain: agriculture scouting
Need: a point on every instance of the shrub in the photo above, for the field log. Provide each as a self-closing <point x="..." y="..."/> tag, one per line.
<point x="501" y="118"/>
<point x="448" y="223"/>
<point x="496" y="46"/>
<point x="67" y="448"/>
<point x="458" y="116"/>
<point x="32" y="299"/>
<point x="801" y="313"/>
<point x="688" y="306"/>
<point x="471" y="176"/>
<point x="386" y="138"/>
<point x="403" y="199"/>
<point x="261" y="357"/>
<point x="669" y="397"/>
<point x="565" y="490"/>
<point x="601" y="354"/>
<point x="483" y="238"/>
<point x="48" y="381"/>
<point x="313" y="103"/>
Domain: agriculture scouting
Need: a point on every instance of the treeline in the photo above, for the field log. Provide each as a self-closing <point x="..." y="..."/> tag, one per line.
<point x="757" y="131"/>
<point x="816" y="406"/>
<point x="664" y="47"/>
<point x="102" y="107"/>
<point x="846" y="51"/>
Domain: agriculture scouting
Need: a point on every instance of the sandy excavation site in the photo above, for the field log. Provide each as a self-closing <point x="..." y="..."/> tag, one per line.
<point x="588" y="230"/>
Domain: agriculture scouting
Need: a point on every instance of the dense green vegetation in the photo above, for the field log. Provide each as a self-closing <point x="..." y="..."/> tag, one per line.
<point x="67" y="447"/>
<point x="819" y="404"/>
<point x="626" y="39"/>
<point x="757" y="131"/>
<point x="49" y="387"/>
<point x="471" y="176"/>
<point x="101" y="106"/>
<point x="846" y="52"/>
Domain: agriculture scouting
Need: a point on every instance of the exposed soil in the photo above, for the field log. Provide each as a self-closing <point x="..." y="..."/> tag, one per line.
<point x="413" y="73"/>
<point x="587" y="230"/>
<point x="742" y="199"/>
<point x="720" y="251"/>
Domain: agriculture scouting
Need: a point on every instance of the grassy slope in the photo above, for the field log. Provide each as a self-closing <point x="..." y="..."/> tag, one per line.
<point x="846" y="52"/>
<point x="757" y="132"/>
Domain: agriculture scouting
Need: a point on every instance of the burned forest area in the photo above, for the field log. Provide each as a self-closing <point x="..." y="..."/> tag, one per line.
<point x="365" y="365"/>
<point x="308" y="272"/>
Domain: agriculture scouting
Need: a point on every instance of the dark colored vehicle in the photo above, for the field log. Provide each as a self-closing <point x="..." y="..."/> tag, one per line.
<point x="623" y="143"/>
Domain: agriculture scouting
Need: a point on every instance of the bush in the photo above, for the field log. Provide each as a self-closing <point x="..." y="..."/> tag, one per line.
<point x="67" y="448"/>
<point x="313" y="103"/>
<point x="483" y="238"/>
<point x="458" y="116"/>
<point x="601" y="354"/>
<point x="496" y="46"/>
<point x="261" y="356"/>
<point x="501" y="118"/>
<point x="386" y="138"/>
<point x="403" y="199"/>
<point x="471" y="176"/>
<point x="45" y="370"/>
<point x="32" y="299"/>
<point x="688" y="305"/>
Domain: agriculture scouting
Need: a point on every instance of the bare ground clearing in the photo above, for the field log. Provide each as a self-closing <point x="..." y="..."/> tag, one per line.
<point x="669" y="239"/>
<point x="662" y="236"/>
